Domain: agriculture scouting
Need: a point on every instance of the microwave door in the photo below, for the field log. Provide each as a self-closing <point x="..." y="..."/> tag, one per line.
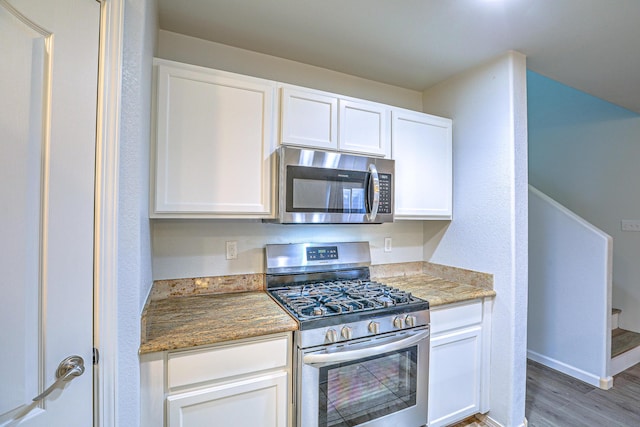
<point x="330" y="191"/>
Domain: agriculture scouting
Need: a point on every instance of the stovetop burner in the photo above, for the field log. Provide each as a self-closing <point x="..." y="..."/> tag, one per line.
<point x="327" y="284"/>
<point x="316" y="300"/>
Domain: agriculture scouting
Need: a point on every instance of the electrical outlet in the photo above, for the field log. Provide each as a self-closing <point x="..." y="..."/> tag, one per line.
<point x="387" y="244"/>
<point x="232" y="249"/>
<point x="630" y="225"/>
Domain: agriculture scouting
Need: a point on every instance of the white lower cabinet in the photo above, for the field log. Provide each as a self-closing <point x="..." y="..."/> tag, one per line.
<point x="244" y="383"/>
<point x="459" y="361"/>
<point x="258" y="401"/>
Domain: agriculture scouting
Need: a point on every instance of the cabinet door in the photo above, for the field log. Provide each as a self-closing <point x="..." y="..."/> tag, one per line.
<point x="309" y="119"/>
<point x="421" y="145"/>
<point x="214" y="139"/>
<point x="364" y="128"/>
<point x="454" y="376"/>
<point x="260" y="401"/>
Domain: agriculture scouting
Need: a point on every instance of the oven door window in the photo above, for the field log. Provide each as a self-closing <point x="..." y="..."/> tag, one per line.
<point x="353" y="393"/>
<point x="326" y="190"/>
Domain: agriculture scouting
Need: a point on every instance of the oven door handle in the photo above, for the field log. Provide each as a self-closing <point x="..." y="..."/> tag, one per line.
<point x="373" y="350"/>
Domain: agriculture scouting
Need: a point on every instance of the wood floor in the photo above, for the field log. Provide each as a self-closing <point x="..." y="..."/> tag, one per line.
<point x="470" y="422"/>
<point x="557" y="400"/>
<point x="622" y="340"/>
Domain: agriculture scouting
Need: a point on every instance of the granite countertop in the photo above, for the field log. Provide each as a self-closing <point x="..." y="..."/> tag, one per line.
<point x="186" y="313"/>
<point x="183" y="322"/>
<point x="436" y="290"/>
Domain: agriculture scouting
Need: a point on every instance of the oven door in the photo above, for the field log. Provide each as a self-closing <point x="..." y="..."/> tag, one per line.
<point x="380" y="381"/>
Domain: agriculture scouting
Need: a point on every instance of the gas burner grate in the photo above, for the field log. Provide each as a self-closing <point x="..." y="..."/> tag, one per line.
<point x="323" y="299"/>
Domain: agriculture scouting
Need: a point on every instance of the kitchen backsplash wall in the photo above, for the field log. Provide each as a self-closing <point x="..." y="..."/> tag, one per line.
<point x="196" y="248"/>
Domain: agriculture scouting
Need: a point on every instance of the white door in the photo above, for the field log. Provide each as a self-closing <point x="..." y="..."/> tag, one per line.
<point x="48" y="87"/>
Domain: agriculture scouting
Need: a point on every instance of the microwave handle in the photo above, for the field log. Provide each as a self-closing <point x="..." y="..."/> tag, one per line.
<point x="376" y="192"/>
<point x="351" y="355"/>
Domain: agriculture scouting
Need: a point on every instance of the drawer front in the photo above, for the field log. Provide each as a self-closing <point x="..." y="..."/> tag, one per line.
<point x="456" y="316"/>
<point x="198" y="366"/>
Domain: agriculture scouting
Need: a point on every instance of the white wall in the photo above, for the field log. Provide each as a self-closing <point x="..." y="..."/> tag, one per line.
<point x="584" y="153"/>
<point x="188" y="248"/>
<point x="178" y="47"/>
<point x="134" y="241"/>
<point x="489" y="230"/>
<point x="569" y="286"/>
<point x="195" y="248"/>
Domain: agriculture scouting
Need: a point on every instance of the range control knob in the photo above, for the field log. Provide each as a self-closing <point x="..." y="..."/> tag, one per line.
<point x="346" y="333"/>
<point x="397" y="322"/>
<point x="410" y="321"/>
<point x="332" y="336"/>
<point x="374" y="327"/>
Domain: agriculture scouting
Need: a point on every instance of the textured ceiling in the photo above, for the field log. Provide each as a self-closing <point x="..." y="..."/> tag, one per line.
<point x="592" y="45"/>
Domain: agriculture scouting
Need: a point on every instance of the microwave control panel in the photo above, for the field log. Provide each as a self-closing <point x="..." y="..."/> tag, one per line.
<point x="385" y="193"/>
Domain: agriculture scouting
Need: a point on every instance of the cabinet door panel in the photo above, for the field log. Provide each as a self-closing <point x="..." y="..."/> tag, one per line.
<point x="422" y="149"/>
<point x="214" y="141"/>
<point x="260" y="401"/>
<point x="364" y="128"/>
<point x="454" y="376"/>
<point x="309" y="119"/>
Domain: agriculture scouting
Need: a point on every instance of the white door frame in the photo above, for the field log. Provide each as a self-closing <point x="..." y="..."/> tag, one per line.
<point x="106" y="212"/>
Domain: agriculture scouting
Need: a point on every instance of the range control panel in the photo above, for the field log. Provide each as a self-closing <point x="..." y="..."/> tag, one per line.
<point x="321" y="253"/>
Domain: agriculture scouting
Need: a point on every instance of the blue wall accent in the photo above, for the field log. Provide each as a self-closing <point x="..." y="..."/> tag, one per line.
<point x="584" y="152"/>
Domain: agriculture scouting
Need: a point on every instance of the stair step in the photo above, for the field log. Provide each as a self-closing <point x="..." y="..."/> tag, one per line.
<point x="623" y="340"/>
<point x="615" y="318"/>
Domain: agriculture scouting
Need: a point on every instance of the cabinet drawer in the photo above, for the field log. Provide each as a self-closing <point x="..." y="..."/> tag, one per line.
<point x="456" y="316"/>
<point x="192" y="367"/>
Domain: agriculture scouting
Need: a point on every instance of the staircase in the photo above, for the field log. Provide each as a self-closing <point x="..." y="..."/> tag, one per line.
<point x="570" y="279"/>
<point x="625" y="345"/>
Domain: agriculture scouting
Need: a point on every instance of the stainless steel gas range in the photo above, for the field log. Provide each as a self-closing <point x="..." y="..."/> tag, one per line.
<point x="361" y="354"/>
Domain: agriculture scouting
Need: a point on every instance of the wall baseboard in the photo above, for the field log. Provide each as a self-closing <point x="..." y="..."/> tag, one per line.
<point x="584" y="376"/>
<point x="625" y="360"/>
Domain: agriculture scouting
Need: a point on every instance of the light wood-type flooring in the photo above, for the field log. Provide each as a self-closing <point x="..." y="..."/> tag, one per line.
<point x="558" y="400"/>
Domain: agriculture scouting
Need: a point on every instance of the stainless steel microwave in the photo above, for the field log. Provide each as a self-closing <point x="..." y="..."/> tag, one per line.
<point x="333" y="188"/>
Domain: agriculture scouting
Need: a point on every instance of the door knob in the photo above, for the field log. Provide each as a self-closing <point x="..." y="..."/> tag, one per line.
<point x="68" y="369"/>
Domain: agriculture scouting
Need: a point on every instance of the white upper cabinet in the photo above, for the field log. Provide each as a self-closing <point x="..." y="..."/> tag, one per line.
<point x="327" y="121"/>
<point x="422" y="147"/>
<point x="364" y="128"/>
<point x="215" y="132"/>
<point x="309" y="119"/>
